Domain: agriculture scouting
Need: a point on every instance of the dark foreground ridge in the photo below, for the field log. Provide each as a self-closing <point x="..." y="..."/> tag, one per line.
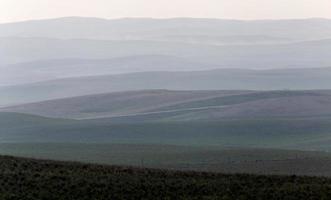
<point x="27" y="179"/>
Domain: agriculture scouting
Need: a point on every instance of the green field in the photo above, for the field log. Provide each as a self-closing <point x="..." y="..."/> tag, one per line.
<point x="302" y="134"/>
<point x="270" y="132"/>
<point x="212" y="159"/>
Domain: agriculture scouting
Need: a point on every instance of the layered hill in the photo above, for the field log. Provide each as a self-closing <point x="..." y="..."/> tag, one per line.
<point x="41" y="50"/>
<point x="43" y="70"/>
<point x="226" y="79"/>
<point x="158" y="105"/>
<point x="193" y="30"/>
<point x="118" y="103"/>
<point x="277" y="119"/>
<point x="300" y="54"/>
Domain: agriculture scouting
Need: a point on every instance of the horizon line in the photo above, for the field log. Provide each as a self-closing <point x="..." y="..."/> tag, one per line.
<point x="162" y="18"/>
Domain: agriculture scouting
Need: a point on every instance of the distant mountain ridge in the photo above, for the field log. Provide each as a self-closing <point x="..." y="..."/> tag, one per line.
<point x="43" y="70"/>
<point x="223" y="79"/>
<point x="255" y="56"/>
<point x="144" y="28"/>
<point x="41" y="50"/>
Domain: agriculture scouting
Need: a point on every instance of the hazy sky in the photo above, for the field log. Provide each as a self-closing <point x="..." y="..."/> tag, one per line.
<point x="17" y="10"/>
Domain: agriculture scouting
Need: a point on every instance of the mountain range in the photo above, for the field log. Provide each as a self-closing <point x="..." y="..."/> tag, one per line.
<point x="187" y="82"/>
<point x="41" y="50"/>
<point x="194" y="29"/>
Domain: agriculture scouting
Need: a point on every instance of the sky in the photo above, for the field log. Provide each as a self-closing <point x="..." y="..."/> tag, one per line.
<point x="20" y="10"/>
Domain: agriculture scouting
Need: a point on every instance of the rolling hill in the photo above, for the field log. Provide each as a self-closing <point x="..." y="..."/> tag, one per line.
<point x="302" y="134"/>
<point x="156" y="105"/>
<point x="192" y="88"/>
<point x="301" y="54"/>
<point x="224" y="79"/>
<point x="43" y="70"/>
<point x="76" y="47"/>
<point x="274" y="119"/>
<point x="117" y="104"/>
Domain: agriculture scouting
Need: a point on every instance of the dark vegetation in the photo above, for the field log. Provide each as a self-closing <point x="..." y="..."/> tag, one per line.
<point x="39" y="179"/>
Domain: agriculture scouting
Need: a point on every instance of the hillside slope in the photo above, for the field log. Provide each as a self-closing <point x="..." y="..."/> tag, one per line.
<point x="226" y="79"/>
<point x="43" y="70"/>
<point x="165" y="105"/>
<point x="305" y="134"/>
<point x="116" y="104"/>
<point x="301" y="54"/>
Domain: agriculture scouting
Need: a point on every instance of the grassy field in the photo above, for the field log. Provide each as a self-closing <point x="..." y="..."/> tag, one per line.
<point x="30" y="179"/>
<point x="302" y="134"/>
<point x="209" y="159"/>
